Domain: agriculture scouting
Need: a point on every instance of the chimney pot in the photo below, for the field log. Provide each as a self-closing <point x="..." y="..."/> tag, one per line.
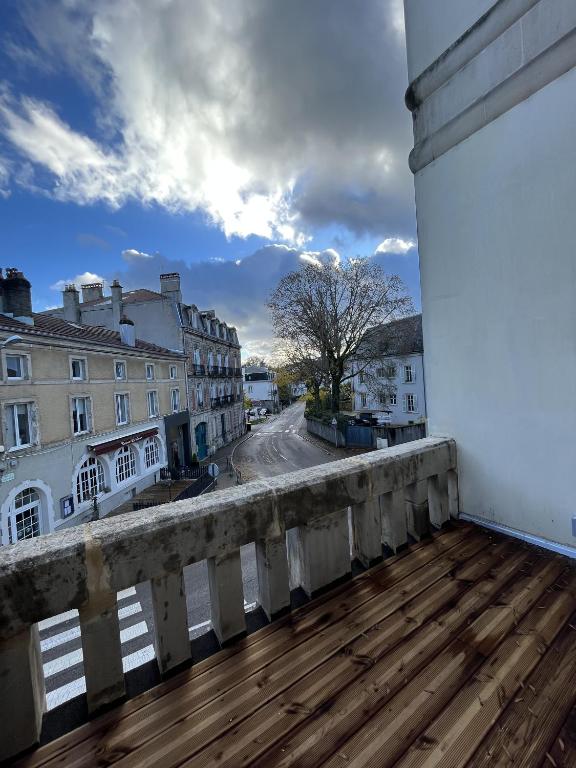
<point x="92" y="292"/>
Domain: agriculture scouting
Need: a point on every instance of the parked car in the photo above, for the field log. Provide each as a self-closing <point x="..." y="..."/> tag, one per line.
<point x="263" y="411"/>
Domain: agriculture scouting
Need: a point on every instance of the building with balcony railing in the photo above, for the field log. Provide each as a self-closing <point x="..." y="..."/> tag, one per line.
<point x="210" y="345"/>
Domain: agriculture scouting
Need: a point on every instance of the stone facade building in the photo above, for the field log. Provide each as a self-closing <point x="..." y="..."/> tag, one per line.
<point x="214" y="380"/>
<point x="391" y="387"/>
<point x="85" y="413"/>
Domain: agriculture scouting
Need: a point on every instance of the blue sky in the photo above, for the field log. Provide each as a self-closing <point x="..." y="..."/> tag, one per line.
<point x="221" y="138"/>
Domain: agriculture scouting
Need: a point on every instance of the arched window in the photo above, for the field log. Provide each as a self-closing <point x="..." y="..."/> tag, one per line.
<point x="24" y="517"/>
<point x="151" y="452"/>
<point x="90" y="480"/>
<point x="125" y="464"/>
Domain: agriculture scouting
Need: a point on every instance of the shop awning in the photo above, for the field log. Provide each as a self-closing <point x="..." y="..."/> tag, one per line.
<point x="119" y="442"/>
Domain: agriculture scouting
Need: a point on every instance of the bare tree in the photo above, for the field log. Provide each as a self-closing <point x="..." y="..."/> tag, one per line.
<point x="256" y="361"/>
<point x="327" y="309"/>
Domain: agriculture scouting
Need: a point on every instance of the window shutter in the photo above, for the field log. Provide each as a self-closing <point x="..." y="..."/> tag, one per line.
<point x="404" y="404"/>
<point x="33" y="415"/>
<point x="89" y="414"/>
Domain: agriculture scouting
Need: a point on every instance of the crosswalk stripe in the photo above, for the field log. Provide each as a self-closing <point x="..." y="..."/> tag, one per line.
<point x="65" y="692"/>
<point x="126" y="593"/>
<point x="60" y="619"/>
<point x="72" y="634"/>
<point x="138" y="658"/>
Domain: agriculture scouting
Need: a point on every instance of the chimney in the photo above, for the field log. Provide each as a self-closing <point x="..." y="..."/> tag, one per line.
<point x="92" y="292"/>
<point x="170" y="286"/>
<point x="71" y="302"/>
<point x="127" y="331"/>
<point x="116" y="290"/>
<point x="17" y="295"/>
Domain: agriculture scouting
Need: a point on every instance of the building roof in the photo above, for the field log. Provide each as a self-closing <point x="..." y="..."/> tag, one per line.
<point x="398" y="337"/>
<point x="48" y="325"/>
<point x="130" y="297"/>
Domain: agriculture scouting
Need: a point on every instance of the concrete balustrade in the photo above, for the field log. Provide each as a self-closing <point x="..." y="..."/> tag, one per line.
<point x="85" y="567"/>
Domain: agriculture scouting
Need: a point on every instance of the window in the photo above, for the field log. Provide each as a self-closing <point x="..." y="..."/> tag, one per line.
<point x="361" y="377"/>
<point x="175" y="400"/>
<point x="16" y="367"/>
<point x="390" y="371"/>
<point x="393" y="398"/>
<point x="151" y="452"/>
<point x="24" y="522"/>
<point x="120" y="370"/>
<point x="153" y="409"/>
<point x="408" y="374"/>
<point x="173" y="371"/>
<point x="199" y="396"/>
<point x="363" y="400"/>
<point x="382" y="399"/>
<point x="381" y="373"/>
<point x="150" y="372"/>
<point x="19" y="425"/>
<point x="410" y="403"/>
<point x="122" y="409"/>
<point x="125" y="464"/>
<point x="90" y="480"/>
<point x="78" y="369"/>
<point x="81" y="415"/>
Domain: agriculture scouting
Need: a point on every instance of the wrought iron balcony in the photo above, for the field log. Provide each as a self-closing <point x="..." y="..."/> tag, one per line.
<point x="198" y="370"/>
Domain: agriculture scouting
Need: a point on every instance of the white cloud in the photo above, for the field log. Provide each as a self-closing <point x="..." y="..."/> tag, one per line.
<point x="266" y="125"/>
<point x="131" y="254"/>
<point x="395" y="245"/>
<point x="328" y="257"/>
<point x="79" y="280"/>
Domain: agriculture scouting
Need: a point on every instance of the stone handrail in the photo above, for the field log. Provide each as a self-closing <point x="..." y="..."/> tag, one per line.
<point x="85" y="567"/>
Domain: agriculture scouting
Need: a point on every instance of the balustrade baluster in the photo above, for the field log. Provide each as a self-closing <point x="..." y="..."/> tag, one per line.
<point x="394" y="529"/>
<point x="22" y="695"/>
<point x="367" y="531"/>
<point x="171" y="636"/>
<point x="453" y="494"/>
<point x="226" y="596"/>
<point x="272" y="568"/>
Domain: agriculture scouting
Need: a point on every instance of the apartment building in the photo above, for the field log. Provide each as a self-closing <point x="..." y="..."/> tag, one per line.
<point x="261" y="388"/>
<point x="88" y="417"/>
<point x="214" y="379"/>
<point x="390" y="386"/>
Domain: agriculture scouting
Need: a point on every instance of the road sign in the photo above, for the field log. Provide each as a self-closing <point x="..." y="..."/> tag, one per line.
<point x="213" y="470"/>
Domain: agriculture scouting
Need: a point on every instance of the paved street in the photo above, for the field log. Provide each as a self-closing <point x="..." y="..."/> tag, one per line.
<point x="279" y="445"/>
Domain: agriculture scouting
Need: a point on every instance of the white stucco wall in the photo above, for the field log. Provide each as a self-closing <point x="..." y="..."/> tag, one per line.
<point x="496" y="238"/>
<point x="398" y="415"/>
<point x="433" y="25"/>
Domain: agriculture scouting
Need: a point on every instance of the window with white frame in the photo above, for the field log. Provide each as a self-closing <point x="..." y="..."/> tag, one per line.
<point x="78" y="369"/>
<point x="122" y="409"/>
<point x="150" y="373"/>
<point x="90" y="480"/>
<point x="24" y="521"/>
<point x="19" y="417"/>
<point x="153" y="409"/>
<point x="381" y="373"/>
<point x="151" y="452"/>
<point x="16" y="367"/>
<point x="120" y="370"/>
<point x="390" y="371"/>
<point x="410" y="402"/>
<point x="125" y="464"/>
<point x="173" y="371"/>
<point x="81" y="415"/>
<point x="408" y="374"/>
<point x="393" y="400"/>
<point x="175" y="400"/>
<point x="199" y="395"/>
<point x="363" y="399"/>
<point x="382" y="399"/>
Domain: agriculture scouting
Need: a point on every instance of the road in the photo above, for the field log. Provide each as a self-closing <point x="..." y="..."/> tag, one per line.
<point x="279" y="445"/>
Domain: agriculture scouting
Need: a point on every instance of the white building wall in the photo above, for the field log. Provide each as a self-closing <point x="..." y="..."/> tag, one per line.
<point x="496" y="230"/>
<point x="399" y="415"/>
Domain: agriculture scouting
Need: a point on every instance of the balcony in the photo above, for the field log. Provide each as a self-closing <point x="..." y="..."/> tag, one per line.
<point x="197" y="370"/>
<point x="460" y="651"/>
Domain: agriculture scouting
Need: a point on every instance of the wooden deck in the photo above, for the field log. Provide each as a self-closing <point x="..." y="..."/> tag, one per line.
<point x="461" y="652"/>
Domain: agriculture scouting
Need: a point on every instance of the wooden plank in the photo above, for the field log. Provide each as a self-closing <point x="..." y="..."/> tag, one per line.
<point x="562" y="753"/>
<point x="331" y="720"/>
<point x="186" y="724"/>
<point x="251" y="654"/>
<point x="526" y="731"/>
<point x="460" y="729"/>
